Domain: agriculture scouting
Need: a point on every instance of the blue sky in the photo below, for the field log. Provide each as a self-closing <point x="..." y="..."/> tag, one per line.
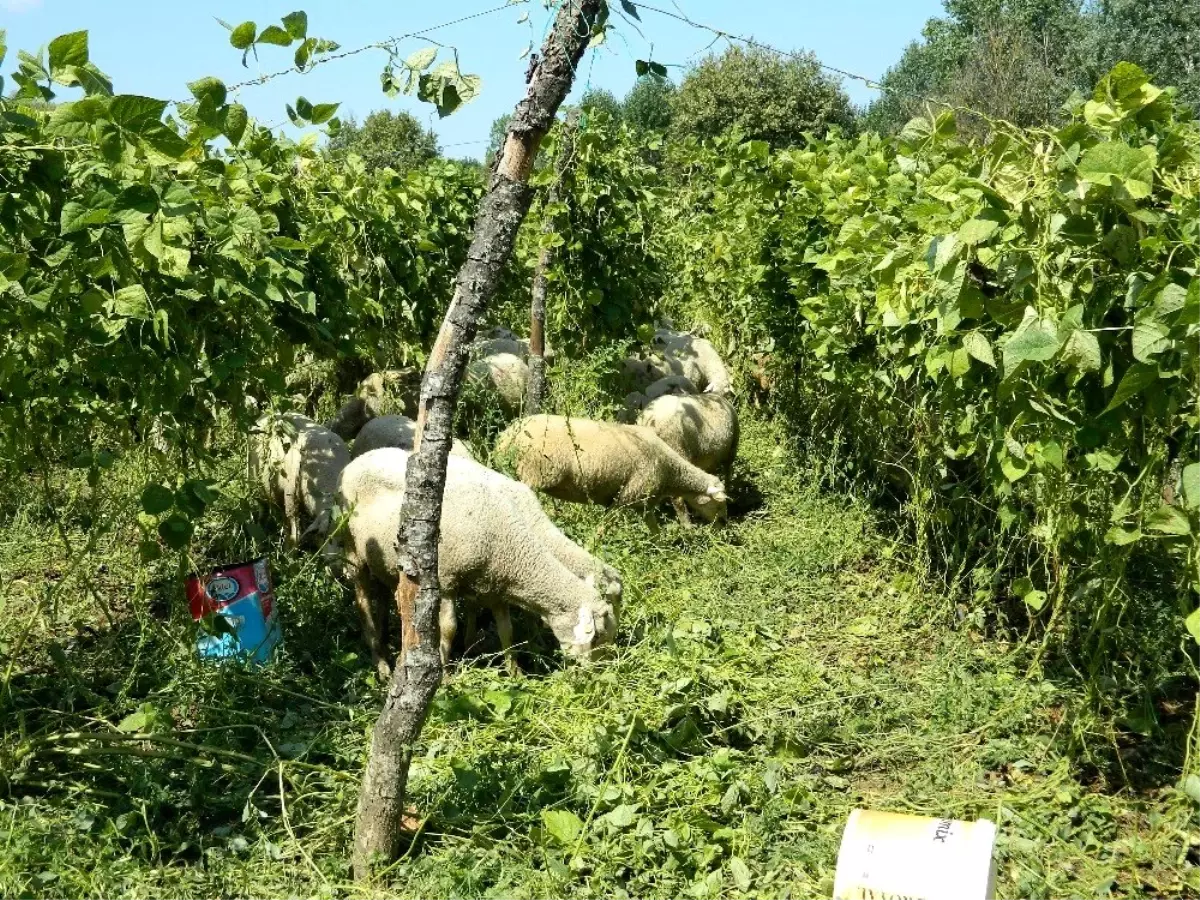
<point x="155" y="48"/>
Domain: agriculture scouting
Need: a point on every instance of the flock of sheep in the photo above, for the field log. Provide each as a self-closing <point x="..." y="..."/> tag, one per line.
<point x="498" y="547"/>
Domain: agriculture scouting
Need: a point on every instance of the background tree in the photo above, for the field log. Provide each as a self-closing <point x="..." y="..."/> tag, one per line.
<point x="496" y="138"/>
<point x="386" y="139"/>
<point x="1011" y="59"/>
<point x="600" y="100"/>
<point x="647" y="106"/>
<point x="1161" y="36"/>
<point x="769" y="97"/>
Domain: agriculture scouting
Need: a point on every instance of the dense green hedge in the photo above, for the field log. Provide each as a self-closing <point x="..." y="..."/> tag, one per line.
<point x="1007" y="335"/>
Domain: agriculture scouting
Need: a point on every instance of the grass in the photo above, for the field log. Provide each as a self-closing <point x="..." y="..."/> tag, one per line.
<point x="771" y="676"/>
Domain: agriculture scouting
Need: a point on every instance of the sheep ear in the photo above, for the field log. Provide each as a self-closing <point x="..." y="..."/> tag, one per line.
<point x="721" y="497"/>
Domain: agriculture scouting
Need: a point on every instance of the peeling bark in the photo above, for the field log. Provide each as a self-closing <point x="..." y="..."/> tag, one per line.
<point x="379" y="831"/>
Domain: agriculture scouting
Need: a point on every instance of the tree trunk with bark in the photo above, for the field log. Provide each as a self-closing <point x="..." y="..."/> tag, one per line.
<point x="415" y="679"/>
<point x="537" y="310"/>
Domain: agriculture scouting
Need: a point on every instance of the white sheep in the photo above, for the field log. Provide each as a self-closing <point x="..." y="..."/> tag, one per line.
<point x="501" y="340"/>
<point x="639" y="372"/>
<point x="696" y="357"/>
<point x="702" y="428"/>
<point x="497" y="545"/>
<point x="374" y="396"/>
<point x="504" y="373"/>
<point x="635" y="402"/>
<point x="295" y="464"/>
<point x="584" y="461"/>
<point x="395" y="431"/>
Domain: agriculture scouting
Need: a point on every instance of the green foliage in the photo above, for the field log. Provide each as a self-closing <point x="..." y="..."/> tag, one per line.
<point x="605" y="275"/>
<point x="129" y="244"/>
<point x="601" y="101"/>
<point x="1021" y="60"/>
<point x="647" y="106"/>
<point x="1152" y="35"/>
<point x="386" y="139"/>
<point x="1004" y="336"/>
<point x="496" y="136"/>
<point x="767" y="97"/>
<point x="772" y="675"/>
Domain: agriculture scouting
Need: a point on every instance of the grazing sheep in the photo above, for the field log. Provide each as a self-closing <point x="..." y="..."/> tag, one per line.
<point x="696" y="357"/>
<point x="702" y="428"/>
<point x="584" y="461"/>
<point x="496" y="544"/>
<point x="373" y="397"/>
<point x="295" y="463"/>
<point x="501" y="340"/>
<point x="504" y="373"/>
<point x="395" y="431"/>
<point x="636" y="401"/>
<point x="638" y="373"/>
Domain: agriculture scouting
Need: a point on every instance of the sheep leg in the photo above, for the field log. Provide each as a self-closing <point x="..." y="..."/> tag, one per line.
<point x="470" y="627"/>
<point x="291" y="517"/>
<point x="681" y="511"/>
<point x="448" y="626"/>
<point x="504" y="630"/>
<point x="374" y="630"/>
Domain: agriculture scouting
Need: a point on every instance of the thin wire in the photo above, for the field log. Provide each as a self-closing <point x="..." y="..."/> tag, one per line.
<point x="386" y="44"/>
<point x="750" y="42"/>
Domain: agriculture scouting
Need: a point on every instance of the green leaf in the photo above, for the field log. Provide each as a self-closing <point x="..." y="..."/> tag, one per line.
<point x="1149" y="340"/>
<point x="1121" y="537"/>
<point x="74" y="120"/>
<point x="976" y="231"/>
<point x="1082" y="350"/>
<point x="296" y="24"/>
<point x="1014" y="469"/>
<point x="623" y="816"/>
<point x="741" y="873"/>
<point x="1035" y="600"/>
<point x="1192" y="623"/>
<point x="979" y="347"/>
<point x="135" y="722"/>
<point x="1169" y="520"/>
<point x="175" y="530"/>
<point x="211" y="90"/>
<point x="1036" y="339"/>
<point x="68" y="50"/>
<point x="273" y="34"/>
<point x="157" y="499"/>
<point x="422" y="59"/>
<point x="132" y="302"/>
<point x="658" y="69"/>
<point x="242" y="36"/>
<point x="958" y="363"/>
<point x="562" y="825"/>
<point x="1049" y="454"/>
<point x="1191" y="485"/>
<point x="236" y="119"/>
<point x="1136" y="379"/>
<point x="630" y="9"/>
<point x="76" y="216"/>
<point x="323" y="112"/>
<point x="162" y="139"/>
<point x="136" y="114"/>
<point x="148" y="551"/>
<point x="1116" y="164"/>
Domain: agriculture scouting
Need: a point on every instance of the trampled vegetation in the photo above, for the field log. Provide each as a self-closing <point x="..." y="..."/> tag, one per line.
<point x="961" y="574"/>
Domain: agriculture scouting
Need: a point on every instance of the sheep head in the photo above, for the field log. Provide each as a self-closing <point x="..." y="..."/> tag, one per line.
<point x="712" y="504"/>
<point x="594" y="624"/>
